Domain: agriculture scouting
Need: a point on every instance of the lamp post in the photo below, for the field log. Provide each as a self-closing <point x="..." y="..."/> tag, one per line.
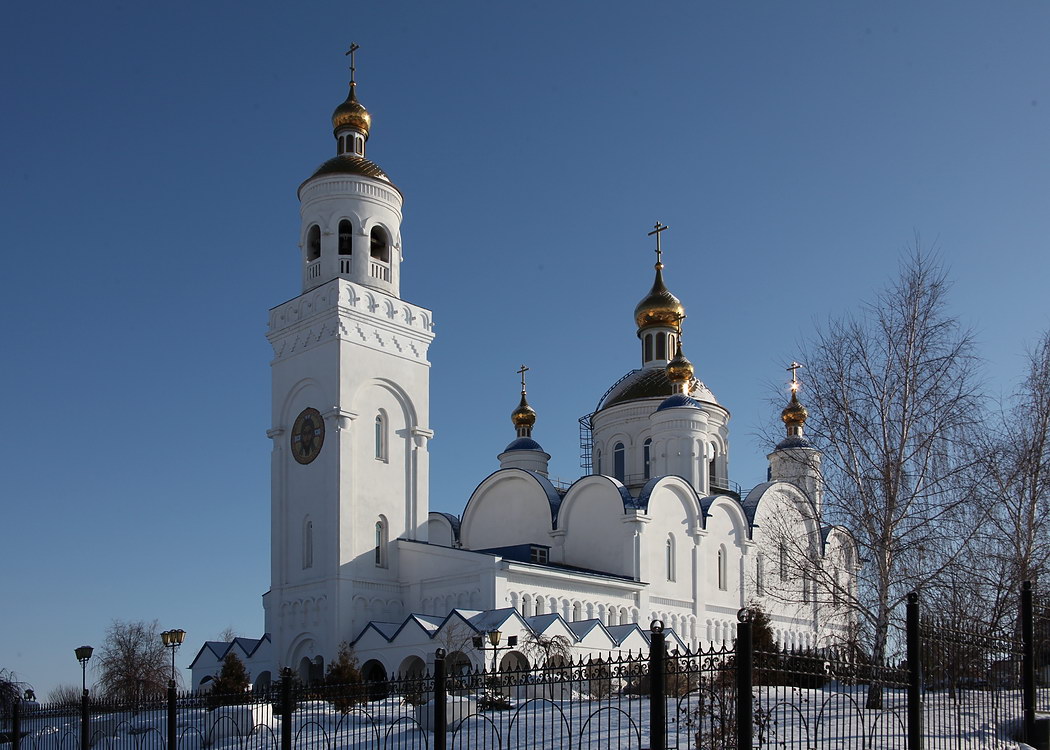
<point x="493" y="637"/>
<point x="172" y="640"/>
<point x="83" y="654"/>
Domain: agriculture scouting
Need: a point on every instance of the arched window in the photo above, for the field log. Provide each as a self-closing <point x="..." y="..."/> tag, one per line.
<point x="359" y="145"/>
<point x="661" y="346"/>
<point x="379" y="245"/>
<point x="345" y="237"/>
<point x="381" y="537"/>
<point x="619" y="462"/>
<point x="308" y="544"/>
<point x="647" y="447"/>
<point x="313" y="242"/>
<point x="712" y="475"/>
<point x="648" y="348"/>
<point x="760" y="576"/>
<point x="723" y="582"/>
<point x="577" y="611"/>
<point x="783" y="562"/>
<point x="380" y="438"/>
<point x="598" y="462"/>
<point x="669" y="555"/>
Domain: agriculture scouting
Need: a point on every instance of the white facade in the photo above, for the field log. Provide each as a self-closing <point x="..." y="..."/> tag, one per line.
<point x="656" y="532"/>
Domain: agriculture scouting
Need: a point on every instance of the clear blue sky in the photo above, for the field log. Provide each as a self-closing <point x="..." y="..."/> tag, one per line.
<point x="150" y="158"/>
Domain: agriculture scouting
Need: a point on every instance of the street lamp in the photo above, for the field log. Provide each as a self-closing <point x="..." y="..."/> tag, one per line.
<point x="494" y="637"/>
<point x="173" y="639"/>
<point x="83" y="654"/>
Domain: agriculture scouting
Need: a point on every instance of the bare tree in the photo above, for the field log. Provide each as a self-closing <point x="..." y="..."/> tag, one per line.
<point x="894" y="401"/>
<point x="11" y="690"/>
<point x="228" y="634"/>
<point x="132" y="661"/>
<point x="64" y="695"/>
<point x="1014" y="459"/>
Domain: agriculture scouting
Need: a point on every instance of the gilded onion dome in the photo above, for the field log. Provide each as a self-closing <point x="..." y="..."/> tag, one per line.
<point x="680" y="371"/>
<point x="524" y="416"/>
<point x="352" y="114"/>
<point x="794" y="414"/>
<point x="660" y="307"/>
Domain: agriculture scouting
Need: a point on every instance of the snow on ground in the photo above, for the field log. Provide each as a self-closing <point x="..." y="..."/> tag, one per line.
<point x="784" y="718"/>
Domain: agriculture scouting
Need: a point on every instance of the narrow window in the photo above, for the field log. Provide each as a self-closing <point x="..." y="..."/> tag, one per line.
<point x="669" y="552"/>
<point x="647" y="447"/>
<point x="597" y="462"/>
<point x="313" y="242"/>
<point x="648" y="347"/>
<point x="661" y="347"/>
<point x="712" y="478"/>
<point x="380" y="551"/>
<point x="783" y="562"/>
<point x="341" y="146"/>
<point x="345" y="237"/>
<point x="308" y="544"/>
<point x="359" y="145"/>
<point x="760" y="583"/>
<point x="379" y="245"/>
<point x="723" y="584"/>
<point x="619" y="462"/>
<point x="380" y="438"/>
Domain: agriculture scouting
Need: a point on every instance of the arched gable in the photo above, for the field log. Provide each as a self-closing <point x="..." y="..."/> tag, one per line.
<point x="592" y="517"/>
<point x="723" y="515"/>
<point x="511" y="506"/>
<point x="442" y="529"/>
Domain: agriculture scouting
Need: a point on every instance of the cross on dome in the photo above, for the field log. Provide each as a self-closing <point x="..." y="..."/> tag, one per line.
<point x="794" y="367"/>
<point x="354" y="47"/>
<point x="657" y="229"/>
<point x="521" y="371"/>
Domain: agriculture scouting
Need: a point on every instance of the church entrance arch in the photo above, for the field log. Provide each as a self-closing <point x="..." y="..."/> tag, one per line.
<point x="375" y="676"/>
<point x="513" y="660"/>
<point x="412" y="668"/>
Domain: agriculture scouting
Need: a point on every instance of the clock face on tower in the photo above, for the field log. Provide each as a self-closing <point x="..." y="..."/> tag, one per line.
<point x="307" y="435"/>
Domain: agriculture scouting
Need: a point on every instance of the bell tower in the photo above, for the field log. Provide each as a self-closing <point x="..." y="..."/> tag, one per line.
<point x="350" y="410"/>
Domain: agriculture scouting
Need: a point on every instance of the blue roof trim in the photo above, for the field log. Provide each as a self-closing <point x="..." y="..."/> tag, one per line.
<point x="754" y="497"/>
<point x="220" y="649"/>
<point x="452" y="519"/>
<point x="553" y="498"/>
<point x="524" y="444"/>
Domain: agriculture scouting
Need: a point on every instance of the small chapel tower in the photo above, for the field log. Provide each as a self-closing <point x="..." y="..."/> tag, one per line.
<point x="795" y="459"/>
<point x="350" y="411"/>
<point x="524" y="452"/>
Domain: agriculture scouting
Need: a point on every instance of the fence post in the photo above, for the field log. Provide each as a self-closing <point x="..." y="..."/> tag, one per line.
<point x="440" y="701"/>
<point x="914" y="645"/>
<point x="286" y="708"/>
<point x="1028" y="661"/>
<point x="744" y="680"/>
<point x="657" y="687"/>
<point x="16" y="723"/>
<point x="85" y="722"/>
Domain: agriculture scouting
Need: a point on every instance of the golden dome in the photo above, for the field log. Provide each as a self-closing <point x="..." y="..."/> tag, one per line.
<point x="660" y="307"/>
<point x="524" y="415"/>
<point x="352" y="114"/>
<point x="794" y="414"/>
<point x="679" y="369"/>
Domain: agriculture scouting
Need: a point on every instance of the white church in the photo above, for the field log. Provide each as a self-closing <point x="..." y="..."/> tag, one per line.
<point x="655" y="531"/>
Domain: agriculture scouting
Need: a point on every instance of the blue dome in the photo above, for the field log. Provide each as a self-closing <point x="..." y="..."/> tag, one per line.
<point x="793" y="442"/>
<point x="523" y="444"/>
<point x="678" y="399"/>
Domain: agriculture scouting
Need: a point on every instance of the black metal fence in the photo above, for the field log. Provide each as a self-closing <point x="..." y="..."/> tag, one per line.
<point x="956" y="688"/>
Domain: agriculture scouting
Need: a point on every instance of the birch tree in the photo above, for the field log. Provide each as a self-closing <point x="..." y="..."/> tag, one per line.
<point x="893" y="399"/>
